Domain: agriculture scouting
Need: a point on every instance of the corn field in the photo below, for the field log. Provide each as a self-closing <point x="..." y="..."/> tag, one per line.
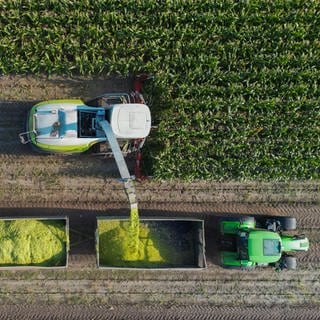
<point x="236" y="88"/>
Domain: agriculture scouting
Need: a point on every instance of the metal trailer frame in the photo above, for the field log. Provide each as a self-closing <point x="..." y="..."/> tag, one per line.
<point x="202" y="263"/>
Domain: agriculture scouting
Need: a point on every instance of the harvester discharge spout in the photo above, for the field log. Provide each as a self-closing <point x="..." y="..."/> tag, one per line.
<point x="121" y="163"/>
<point x="117" y="153"/>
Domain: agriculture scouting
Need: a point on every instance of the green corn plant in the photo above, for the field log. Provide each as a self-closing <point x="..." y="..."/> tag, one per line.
<point x="236" y="92"/>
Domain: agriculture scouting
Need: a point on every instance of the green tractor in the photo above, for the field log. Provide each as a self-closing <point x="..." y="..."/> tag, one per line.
<point x="248" y="242"/>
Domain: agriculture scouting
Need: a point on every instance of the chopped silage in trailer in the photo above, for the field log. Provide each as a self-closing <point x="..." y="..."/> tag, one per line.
<point x="161" y="244"/>
<point x="31" y="242"/>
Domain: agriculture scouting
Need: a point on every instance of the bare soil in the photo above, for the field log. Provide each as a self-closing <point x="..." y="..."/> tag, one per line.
<point x="83" y="187"/>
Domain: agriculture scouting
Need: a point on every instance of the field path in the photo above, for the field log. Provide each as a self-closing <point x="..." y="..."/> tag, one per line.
<point x="98" y="312"/>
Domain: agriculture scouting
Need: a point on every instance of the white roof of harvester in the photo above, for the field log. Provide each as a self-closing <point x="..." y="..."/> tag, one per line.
<point x="130" y="121"/>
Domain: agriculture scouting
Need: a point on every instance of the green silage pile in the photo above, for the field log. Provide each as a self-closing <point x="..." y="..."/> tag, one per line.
<point x="26" y="242"/>
<point x="160" y="244"/>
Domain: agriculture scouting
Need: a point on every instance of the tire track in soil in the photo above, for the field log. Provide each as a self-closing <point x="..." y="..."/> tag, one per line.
<point x="139" y="312"/>
<point x="13" y="122"/>
<point x="308" y="217"/>
<point x="70" y="176"/>
<point x="192" y="290"/>
<point x="211" y="274"/>
<point x="186" y="286"/>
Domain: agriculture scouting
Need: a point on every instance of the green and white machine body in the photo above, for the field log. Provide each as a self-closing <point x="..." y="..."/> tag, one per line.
<point x="261" y="243"/>
<point x="71" y="126"/>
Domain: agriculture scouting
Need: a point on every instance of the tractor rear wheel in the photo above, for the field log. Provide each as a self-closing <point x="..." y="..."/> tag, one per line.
<point x="287" y="223"/>
<point x="248" y="219"/>
<point x="289" y="263"/>
<point x="242" y="219"/>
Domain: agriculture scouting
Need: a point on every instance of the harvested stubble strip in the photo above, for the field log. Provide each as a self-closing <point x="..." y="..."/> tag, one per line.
<point x="27" y="242"/>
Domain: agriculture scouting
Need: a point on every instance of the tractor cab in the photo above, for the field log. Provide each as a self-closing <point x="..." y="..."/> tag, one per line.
<point x="259" y="246"/>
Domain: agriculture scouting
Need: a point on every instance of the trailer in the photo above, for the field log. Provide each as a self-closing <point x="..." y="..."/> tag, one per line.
<point x="34" y="242"/>
<point x="163" y="243"/>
